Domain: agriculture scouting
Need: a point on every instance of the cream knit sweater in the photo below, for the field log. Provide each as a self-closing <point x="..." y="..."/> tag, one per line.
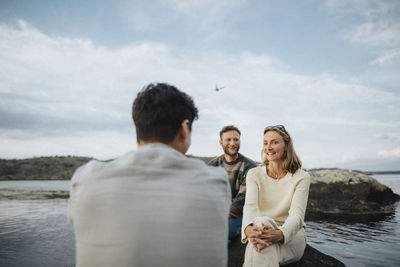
<point x="283" y="200"/>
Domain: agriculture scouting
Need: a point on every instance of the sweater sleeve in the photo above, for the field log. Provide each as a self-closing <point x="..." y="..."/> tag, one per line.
<point x="239" y="199"/>
<point x="73" y="194"/>
<point x="295" y="220"/>
<point x="75" y="186"/>
<point x="251" y="203"/>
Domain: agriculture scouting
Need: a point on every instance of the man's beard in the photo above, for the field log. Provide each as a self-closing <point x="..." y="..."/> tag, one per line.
<point x="226" y="151"/>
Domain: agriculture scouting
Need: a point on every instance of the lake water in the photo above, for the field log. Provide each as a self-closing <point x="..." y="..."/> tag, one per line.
<point x="37" y="232"/>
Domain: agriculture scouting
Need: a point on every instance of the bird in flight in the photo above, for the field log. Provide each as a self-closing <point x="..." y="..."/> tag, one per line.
<point x="219" y="88"/>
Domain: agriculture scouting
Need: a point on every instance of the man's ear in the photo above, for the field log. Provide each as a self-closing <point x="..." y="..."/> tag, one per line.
<point x="220" y="142"/>
<point x="182" y="139"/>
<point x="184" y="131"/>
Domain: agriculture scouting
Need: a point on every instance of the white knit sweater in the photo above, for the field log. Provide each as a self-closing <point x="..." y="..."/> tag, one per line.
<point x="283" y="200"/>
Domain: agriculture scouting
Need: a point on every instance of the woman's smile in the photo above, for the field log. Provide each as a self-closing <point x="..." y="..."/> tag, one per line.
<point x="274" y="145"/>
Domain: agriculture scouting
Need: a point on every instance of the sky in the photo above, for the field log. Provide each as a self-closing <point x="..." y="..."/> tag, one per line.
<point x="329" y="70"/>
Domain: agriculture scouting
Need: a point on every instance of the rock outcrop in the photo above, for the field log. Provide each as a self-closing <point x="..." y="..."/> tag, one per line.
<point x="311" y="258"/>
<point x="336" y="193"/>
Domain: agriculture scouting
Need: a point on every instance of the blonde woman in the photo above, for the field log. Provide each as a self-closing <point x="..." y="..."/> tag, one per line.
<point x="276" y="201"/>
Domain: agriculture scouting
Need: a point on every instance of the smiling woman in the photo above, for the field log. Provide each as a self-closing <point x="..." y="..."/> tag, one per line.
<point x="280" y="154"/>
<point x="276" y="200"/>
<point x="274" y="149"/>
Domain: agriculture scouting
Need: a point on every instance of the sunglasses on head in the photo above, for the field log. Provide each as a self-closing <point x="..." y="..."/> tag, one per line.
<point x="279" y="126"/>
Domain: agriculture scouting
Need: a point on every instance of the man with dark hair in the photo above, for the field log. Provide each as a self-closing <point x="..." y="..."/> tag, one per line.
<point x="236" y="165"/>
<point x="153" y="206"/>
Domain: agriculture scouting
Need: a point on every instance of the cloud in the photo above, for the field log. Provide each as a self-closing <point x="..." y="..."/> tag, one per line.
<point x="394" y="153"/>
<point x="380" y="34"/>
<point x="372" y="26"/>
<point x="390" y="137"/>
<point x="71" y="96"/>
<point x="364" y="9"/>
<point x="72" y="81"/>
<point x="215" y="10"/>
<point x="389" y="58"/>
<point x="99" y="144"/>
<point x="74" y="76"/>
<point x="348" y="122"/>
<point x="371" y="164"/>
<point x="373" y="23"/>
<point x="199" y="23"/>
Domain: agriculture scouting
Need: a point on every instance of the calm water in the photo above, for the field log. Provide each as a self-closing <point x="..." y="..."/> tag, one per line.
<point x="37" y="233"/>
<point x="37" y="184"/>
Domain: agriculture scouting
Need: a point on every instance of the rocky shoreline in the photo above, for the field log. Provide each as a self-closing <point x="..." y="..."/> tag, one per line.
<point x="346" y="194"/>
<point x="335" y="194"/>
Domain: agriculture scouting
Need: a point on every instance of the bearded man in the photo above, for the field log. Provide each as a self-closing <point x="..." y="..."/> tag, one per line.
<point x="236" y="165"/>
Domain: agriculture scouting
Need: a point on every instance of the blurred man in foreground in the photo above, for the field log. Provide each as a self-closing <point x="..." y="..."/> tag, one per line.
<point x="153" y="206"/>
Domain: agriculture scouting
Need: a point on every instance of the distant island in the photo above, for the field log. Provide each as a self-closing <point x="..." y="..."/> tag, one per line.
<point x="48" y="168"/>
<point x="41" y="168"/>
<point x="63" y="167"/>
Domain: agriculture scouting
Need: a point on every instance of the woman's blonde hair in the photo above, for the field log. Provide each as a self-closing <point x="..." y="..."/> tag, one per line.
<point x="291" y="162"/>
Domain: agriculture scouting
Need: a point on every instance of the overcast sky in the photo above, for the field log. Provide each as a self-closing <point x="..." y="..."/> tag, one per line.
<point x="327" y="70"/>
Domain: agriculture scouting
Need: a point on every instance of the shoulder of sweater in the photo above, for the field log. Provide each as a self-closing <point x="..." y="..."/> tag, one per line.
<point x="255" y="172"/>
<point x="87" y="168"/>
<point x="248" y="161"/>
<point x="199" y="168"/>
<point x="169" y="156"/>
<point x="216" y="161"/>
<point x="301" y="174"/>
<point x="201" y="165"/>
<point x="96" y="165"/>
<point x="169" y="159"/>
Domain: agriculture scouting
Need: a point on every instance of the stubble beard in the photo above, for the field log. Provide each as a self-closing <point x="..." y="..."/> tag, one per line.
<point x="227" y="152"/>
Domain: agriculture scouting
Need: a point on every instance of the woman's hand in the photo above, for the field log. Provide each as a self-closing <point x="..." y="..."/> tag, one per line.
<point x="255" y="236"/>
<point x="271" y="235"/>
<point x="263" y="237"/>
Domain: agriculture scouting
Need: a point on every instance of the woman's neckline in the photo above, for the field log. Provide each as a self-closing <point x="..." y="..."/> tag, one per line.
<point x="287" y="175"/>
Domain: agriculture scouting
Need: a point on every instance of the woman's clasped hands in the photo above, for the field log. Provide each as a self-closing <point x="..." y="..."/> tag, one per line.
<point x="264" y="236"/>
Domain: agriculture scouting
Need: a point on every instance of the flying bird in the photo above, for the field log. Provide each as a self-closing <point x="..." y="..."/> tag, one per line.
<point x="219" y="88"/>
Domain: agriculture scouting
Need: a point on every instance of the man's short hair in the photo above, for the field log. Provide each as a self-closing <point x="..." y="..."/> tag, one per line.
<point x="159" y="110"/>
<point x="228" y="128"/>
